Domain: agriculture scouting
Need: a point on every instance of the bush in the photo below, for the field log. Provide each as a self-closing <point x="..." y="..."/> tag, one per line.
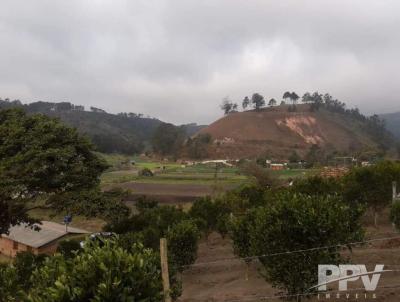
<point x="372" y="186"/>
<point x="10" y="288"/>
<point x="317" y="185"/>
<point x="25" y="263"/>
<point x="395" y="215"/>
<point x="204" y="210"/>
<point x="146" y="172"/>
<point x="183" y="242"/>
<point x="297" y="222"/>
<point x="107" y="273"/>
<point x="68" y="247"/>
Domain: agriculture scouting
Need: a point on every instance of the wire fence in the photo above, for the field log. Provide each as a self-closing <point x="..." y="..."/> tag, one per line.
<point x="346" y="245"/>
<point x="393" y="268"/>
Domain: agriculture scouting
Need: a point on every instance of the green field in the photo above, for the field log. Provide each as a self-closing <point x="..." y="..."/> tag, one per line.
<point x="174" y="173"/>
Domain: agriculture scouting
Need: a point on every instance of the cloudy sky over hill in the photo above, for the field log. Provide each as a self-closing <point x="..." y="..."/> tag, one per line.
<point x="177" y="59"/>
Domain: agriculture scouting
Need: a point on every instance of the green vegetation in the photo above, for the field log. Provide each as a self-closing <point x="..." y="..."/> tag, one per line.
<point x="293" y="222"/>
<point x="42" y="161"/>
<point x="372" y="186"/>
<point x="126" y="133"/>
<point x="395" y="214"/>
<point x="182" y="243"/>
<point x="98" y="273"/>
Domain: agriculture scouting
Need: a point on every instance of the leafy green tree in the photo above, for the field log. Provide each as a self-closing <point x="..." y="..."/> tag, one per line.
<point x="272" y="102"/>
<point x="25" y="264"/>
<point x="228" y="106"/>
<point x="261" y="176"/>
<point x="107" y="273"/>
<point x="294" y="97"/>
<point x="245" y="102"/>
<point x="295" y="222"/>
<point x="198" y="146"/>
<point x="239" y="231"/>
<point x="68" y="247"/>
<point x="40" y="158"/>
<point x="183" y="243"/>
<point x="287" y="96"/>
<point x="315" y="155"/>
<point x="168" y="139"/>
<point x="294" y="157"/>
<point x="317" y="185"/>
<point x="108" y="205"/>
<point x="372" y="186"/>
<point x="10" y="288"/>
<point x="257" y="101"/>
<point x="204" y="210"/>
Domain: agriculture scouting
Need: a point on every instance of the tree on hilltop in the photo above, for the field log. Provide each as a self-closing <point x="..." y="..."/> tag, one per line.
<point x="272" y="102"/>
<point x="228" y="106"/>
<point x="245" y="102"/>
<point x="257" y="101"/>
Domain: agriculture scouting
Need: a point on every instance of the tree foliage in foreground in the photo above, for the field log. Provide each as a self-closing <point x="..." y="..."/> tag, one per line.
<point x="296" y="222"/>
<point x="40" y="158"/>
<point x="106" y="273"/>
<point x="372" y="186"/>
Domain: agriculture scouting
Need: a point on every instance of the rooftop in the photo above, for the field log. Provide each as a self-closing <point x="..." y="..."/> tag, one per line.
<point x="49" y="231"/>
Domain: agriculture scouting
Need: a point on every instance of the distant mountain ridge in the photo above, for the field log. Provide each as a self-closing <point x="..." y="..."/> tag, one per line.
<point x="127" y="133"/>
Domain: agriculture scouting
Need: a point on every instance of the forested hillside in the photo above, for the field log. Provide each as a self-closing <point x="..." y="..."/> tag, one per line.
<point x="392" y="121"/>
<point x="126" y="133"/>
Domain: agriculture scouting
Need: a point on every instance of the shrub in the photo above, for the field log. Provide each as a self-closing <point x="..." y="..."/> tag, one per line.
<point x="372" y="186"/>
<point x="25" y="264"/>
<point x="183" y="242"/>
<point x="68" y="247"/>
<point x="204" y="210"/>
<point x="107" y="273"/>
<point x="146" y="172"/>
<point x="297" y="222"/>
<point x="10" y="288"/>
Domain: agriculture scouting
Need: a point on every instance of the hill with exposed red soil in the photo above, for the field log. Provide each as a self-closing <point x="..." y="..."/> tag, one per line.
<point x="278" y="132"/>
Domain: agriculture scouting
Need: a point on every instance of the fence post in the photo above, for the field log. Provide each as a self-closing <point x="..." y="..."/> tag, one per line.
<point x="394" y="188"/>
<point x="164" y="269"/>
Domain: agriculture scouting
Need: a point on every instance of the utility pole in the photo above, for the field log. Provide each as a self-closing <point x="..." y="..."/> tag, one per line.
<point x="164" y="269"/>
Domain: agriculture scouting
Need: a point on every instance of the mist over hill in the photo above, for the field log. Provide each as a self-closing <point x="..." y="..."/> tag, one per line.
<point x="126" y="133"/>
<point x="392" y="121"/>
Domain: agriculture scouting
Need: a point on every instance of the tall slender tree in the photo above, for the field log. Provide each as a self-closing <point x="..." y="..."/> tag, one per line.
<point x="294" y="97"/>
<point x="272" y="102"/>
<point x="245" y="102"/>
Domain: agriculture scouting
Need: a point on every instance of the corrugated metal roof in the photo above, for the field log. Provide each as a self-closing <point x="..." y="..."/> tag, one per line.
<point x="49" y="231"/>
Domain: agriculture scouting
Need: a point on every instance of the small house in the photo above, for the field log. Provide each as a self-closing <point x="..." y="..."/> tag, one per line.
<point x="41" y="239"/>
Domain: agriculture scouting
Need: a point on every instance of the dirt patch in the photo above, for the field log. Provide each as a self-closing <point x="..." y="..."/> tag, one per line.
<point x="171" y="193"/>
<point x="304" y="126"/>
<point x="279" y="132"/>
<point x="226" y="280"/>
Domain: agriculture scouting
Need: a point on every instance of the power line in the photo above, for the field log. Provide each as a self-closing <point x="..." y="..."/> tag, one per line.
<point x="292" y="252"/>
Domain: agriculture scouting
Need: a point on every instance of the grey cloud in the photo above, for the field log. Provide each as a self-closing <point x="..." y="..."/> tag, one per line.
<point x="176" y="59"/>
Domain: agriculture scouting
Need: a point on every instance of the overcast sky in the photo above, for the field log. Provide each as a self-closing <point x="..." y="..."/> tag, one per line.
<point x="175" y="60"/>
